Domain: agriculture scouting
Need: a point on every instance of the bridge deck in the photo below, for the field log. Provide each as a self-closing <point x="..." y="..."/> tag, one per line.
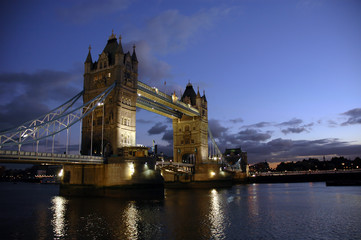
<point x="8" y="156"/>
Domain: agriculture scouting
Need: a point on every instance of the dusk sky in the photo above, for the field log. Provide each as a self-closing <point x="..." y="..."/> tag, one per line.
<point x="282" y="78"/>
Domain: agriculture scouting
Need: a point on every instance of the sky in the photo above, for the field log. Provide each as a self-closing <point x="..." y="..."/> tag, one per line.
<point x="282" y="78"/>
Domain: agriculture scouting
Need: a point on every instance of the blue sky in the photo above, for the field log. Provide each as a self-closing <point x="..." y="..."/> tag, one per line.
<point x="282" y="78"/>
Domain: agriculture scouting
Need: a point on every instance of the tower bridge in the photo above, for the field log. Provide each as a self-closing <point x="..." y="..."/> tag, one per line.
<point x="111" y="94"/>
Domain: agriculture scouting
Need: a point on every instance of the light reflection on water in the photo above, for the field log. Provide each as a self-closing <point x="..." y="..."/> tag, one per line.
<point x="58" y="222"/>
<point x="216" y="216"/>
<point x="131" y="221"/>
<point x="260" y="211"/>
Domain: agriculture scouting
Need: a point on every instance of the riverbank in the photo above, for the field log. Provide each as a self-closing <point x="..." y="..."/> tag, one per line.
<point x="293" y="178"/>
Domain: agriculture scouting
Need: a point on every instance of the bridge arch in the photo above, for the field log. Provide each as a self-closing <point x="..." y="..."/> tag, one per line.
<point x="189" y="158"/>
<point x="97" y="147"/>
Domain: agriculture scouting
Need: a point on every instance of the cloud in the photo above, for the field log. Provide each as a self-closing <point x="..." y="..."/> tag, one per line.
<point x="292" y="122"/>
<point x="86" y="10"/>
<point x="168" y="136"/>
<point x="253" y="135"/>
<point x="294" y="130"/>
<point x="236" y="120"/>
<point x="258" y="125"/>
<point x="171" y="31"/>
<point x="217" y="130"/>
<point x="25" y="96"/>
<point x="158" y="128"/>
<point x="294" y="126"/>
<point x="151" y="70"/>
<point x="144" y="121"/>
<point x="260" y="146"/>
<point x="354" y="117"/>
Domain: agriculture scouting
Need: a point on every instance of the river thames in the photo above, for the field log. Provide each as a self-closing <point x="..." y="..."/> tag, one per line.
<point x="256" y="211"/>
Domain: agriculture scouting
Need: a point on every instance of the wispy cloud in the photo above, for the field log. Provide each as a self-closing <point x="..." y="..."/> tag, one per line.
<point x="292" y="122"/>
<point x="25" y="96"/>
<point x="259" y="125"/>
<point x="85" y="10"/>
<point x="354" y="117"/>
<point x="158" y="128"/>
<point x="172" y="31"/>
<point x="236" y="120"/>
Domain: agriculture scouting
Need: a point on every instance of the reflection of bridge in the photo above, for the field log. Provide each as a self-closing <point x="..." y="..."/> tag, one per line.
<point x="107" y="122"/>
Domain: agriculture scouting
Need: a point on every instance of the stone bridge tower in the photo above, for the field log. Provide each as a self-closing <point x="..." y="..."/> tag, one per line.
<point x="111" y="126"/>
<point x="190" y="134"/>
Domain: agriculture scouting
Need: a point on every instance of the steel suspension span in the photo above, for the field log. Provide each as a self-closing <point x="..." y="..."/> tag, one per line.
<point x="216" y="155"/>
<point x="214" y="152"/>
<point x="52" y="123"/>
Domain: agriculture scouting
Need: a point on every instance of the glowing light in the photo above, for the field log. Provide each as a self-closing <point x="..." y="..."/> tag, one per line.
<point x="131" y="169"/>
<point x="100" y="104"/>
<point x="61" y="173"/>
<point x="213" y="174"/>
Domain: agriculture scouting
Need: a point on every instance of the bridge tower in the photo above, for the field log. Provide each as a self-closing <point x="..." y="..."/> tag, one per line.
<point x="111" y="125"/>
<point x="190" y="134"/>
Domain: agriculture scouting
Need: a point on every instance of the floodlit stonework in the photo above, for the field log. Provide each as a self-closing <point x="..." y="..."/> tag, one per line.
<point x="116" y="119"/>
<point x="190" y="134"/>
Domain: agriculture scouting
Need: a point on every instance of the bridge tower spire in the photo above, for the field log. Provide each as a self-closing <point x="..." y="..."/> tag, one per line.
<point x="111" y="126"/>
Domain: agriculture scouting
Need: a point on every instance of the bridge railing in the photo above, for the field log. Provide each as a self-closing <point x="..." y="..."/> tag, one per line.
<point x="10" y="154"/>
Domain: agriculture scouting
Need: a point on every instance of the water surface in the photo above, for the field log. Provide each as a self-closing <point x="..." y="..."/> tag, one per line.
<point x="258" y="211"/>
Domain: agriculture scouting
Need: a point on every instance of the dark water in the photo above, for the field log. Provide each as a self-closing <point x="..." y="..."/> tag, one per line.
<point x="260" y="211"/>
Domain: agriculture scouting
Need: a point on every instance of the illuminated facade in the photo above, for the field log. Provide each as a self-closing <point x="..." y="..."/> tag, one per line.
<point x="190" y="134"/>
<point x="111" y="125"/>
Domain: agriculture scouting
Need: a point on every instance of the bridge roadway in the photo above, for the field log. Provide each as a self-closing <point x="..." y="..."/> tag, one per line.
<point x="176" y="167"/>
<point x="7" y="156"/>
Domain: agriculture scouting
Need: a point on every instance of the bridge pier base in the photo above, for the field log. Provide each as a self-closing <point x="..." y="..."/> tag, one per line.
<point x="128" y="179"/>
<point x="204" y="176"/>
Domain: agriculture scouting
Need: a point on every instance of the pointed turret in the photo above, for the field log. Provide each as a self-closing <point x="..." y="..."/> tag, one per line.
<point x="111" y="48"/>
<point x="189" y="95"/>
<point x="204" y="96"/>
<point x="89" y="57"/>
<point x="134" y="56"/>
<point x="134" y="60"/>
<point x="120" y="47"/>
<point x="119" y="53"/>
<point x="88" y="62"/>
<point x="198" y="99"/>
